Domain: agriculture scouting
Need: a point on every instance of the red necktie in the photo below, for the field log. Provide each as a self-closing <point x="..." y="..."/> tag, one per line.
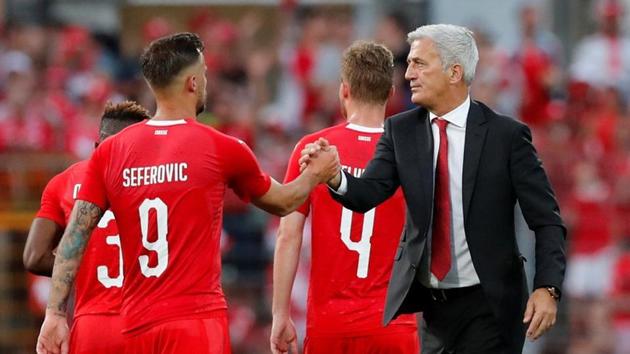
<point x="441" y="237"/>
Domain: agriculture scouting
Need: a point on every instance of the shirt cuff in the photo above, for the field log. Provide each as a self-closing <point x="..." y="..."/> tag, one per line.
<point x="343" y="186"/>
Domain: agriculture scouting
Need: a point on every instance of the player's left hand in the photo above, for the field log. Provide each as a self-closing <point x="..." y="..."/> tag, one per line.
<point x="54" y="335"/>
<point x="283" y="336"/>
<point x="540" y="313"/>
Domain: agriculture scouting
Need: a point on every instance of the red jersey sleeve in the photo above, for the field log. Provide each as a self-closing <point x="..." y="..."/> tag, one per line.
<point x="93" y="187"/>
<point x="293" y="171"/>
<point x="50" y="207"/>
<point x="244" y="174"/>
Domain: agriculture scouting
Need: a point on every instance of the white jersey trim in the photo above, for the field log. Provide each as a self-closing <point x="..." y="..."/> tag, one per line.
<point x="363" y="129"/>
<point x="165" y="123"/>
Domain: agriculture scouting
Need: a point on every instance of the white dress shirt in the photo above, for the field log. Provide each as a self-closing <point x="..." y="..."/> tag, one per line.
<point x="462" y="272"/>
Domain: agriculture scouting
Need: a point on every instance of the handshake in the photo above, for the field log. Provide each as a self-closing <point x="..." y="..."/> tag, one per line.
<point x="321" y="159"/>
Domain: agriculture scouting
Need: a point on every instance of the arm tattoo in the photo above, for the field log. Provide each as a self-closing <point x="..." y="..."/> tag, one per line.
<point x="84" y="218"/>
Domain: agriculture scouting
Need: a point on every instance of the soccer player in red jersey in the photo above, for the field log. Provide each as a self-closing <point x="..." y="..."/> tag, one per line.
<point x="165" y="180"/>
<point x="97" y="324"/>
<point x="352" y="254"/>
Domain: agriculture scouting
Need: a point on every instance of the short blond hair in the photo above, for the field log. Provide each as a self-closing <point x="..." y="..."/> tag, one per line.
<point x="368" y="68"/>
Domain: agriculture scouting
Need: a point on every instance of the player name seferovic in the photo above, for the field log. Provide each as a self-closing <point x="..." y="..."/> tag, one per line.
<point x="144" y="176"/>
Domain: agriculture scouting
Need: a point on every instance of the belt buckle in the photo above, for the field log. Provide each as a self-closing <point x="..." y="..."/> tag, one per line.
<point x="438" y="295"/>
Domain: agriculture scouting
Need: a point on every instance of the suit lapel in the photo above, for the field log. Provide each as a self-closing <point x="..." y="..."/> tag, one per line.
<point x="424" y="146"/>
<point x="475" y="138"/>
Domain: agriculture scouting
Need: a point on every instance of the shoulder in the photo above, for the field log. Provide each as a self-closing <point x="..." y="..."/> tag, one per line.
<point x="403" y="123"/>
<point x="324" y="133"/>
<point x="58" y="183"/>
<point x="77" y="167"/>
<point x="214" y="134"/>
<point x="496" y="119"/>
<point x="407" y="116"/>
<point x="59" y="180"/>
<point x="127" y="131"/>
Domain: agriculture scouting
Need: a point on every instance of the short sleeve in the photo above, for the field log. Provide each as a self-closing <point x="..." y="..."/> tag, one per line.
<point x="293" y="172"/>
<point x="50" y="207"/>
<point x="93" y="188"/>
<point x="244" y="174"/>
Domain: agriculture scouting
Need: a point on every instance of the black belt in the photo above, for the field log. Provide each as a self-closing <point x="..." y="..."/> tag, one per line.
<point x="445" y="295"/>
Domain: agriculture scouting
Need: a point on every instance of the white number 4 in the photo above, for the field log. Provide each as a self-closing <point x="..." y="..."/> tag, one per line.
<point x="362" y="247"/>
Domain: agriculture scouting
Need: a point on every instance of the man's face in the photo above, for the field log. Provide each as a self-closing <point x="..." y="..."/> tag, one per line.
<point x="426" y="78"/>
<point x="202" y="81"/>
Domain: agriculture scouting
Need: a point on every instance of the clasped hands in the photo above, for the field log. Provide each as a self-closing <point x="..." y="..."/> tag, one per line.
<point x="321" y="159"/>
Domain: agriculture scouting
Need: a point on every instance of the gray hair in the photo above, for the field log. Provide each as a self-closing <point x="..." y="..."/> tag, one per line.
<point x="455" y="45"/>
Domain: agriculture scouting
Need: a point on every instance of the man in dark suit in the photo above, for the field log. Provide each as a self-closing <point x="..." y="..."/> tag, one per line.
<point x="462" y="168"/>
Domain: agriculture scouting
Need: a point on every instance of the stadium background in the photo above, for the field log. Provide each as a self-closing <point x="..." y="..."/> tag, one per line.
<point x="273" y="76"/>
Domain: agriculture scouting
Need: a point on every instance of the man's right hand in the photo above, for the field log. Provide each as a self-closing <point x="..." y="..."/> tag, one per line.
<point x="324" y="163"/>
<point x="283" y="336"/>
<point x="318" y="151"/>
<point x="54" y="336"/>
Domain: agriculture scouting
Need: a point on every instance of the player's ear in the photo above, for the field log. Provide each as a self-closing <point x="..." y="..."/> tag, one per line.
<point x="191" y="83"/>
<point x="391" y="92"/>
<point x="345" y="89"/>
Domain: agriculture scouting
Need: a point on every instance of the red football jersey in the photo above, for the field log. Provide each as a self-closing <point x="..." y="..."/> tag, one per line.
<point x="165" y="182"/>
<point x="352" y="253"/>
<point x="100" y="277"/>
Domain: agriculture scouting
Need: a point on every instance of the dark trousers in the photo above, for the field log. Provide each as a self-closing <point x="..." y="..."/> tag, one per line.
<point x="459" y="321"/>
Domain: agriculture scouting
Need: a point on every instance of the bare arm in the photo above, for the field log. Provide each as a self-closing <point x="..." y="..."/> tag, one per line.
<point x="83" y="220"/>
<point x="285" y="264"/>
<point x="285" y="261"/>
<point x="282" y="199"/>
<point x="54" y="334"/>
<point x="43" y="237"/>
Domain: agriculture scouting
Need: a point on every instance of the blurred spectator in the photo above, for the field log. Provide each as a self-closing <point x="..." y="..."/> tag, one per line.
<point x="603" y="58"/>
<point x="620" y="295"/>
<point x="591" y="254"/>
<point x="25" y="125"/>
<point x="537" y="61"/>
<point x="491" y="81"/>
<point x="392" y="31"/>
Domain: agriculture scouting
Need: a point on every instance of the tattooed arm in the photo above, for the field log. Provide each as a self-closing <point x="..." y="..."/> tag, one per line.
<point x="54" y="333"/>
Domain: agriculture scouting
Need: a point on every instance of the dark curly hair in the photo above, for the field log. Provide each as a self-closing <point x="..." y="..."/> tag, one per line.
<point x="119" y="116"/>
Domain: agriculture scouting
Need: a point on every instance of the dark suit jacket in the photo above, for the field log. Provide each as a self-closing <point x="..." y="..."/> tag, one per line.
<point x="500" y="167"/>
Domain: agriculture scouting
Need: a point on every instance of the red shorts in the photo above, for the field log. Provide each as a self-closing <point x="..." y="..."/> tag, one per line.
<point x="96" y="334"/>
<point x="193" y="336"/>
<point x="403" y="342"/>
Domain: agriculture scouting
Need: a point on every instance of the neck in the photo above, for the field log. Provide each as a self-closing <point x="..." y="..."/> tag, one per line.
<point x="366" y="115"/>
<point x="173" y="108"/>
<point x="450" y="101"/>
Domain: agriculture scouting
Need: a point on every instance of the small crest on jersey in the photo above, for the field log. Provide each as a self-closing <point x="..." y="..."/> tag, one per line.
<point x="161" y="132"/>
<point x="364" y="138"/>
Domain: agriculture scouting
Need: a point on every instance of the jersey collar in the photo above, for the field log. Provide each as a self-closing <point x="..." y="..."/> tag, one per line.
<point x="363" y="129"/>
<point x="165" y="123"/>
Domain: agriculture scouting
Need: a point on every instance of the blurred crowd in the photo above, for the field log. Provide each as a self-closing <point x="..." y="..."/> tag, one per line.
<point x="269" y="87"/>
